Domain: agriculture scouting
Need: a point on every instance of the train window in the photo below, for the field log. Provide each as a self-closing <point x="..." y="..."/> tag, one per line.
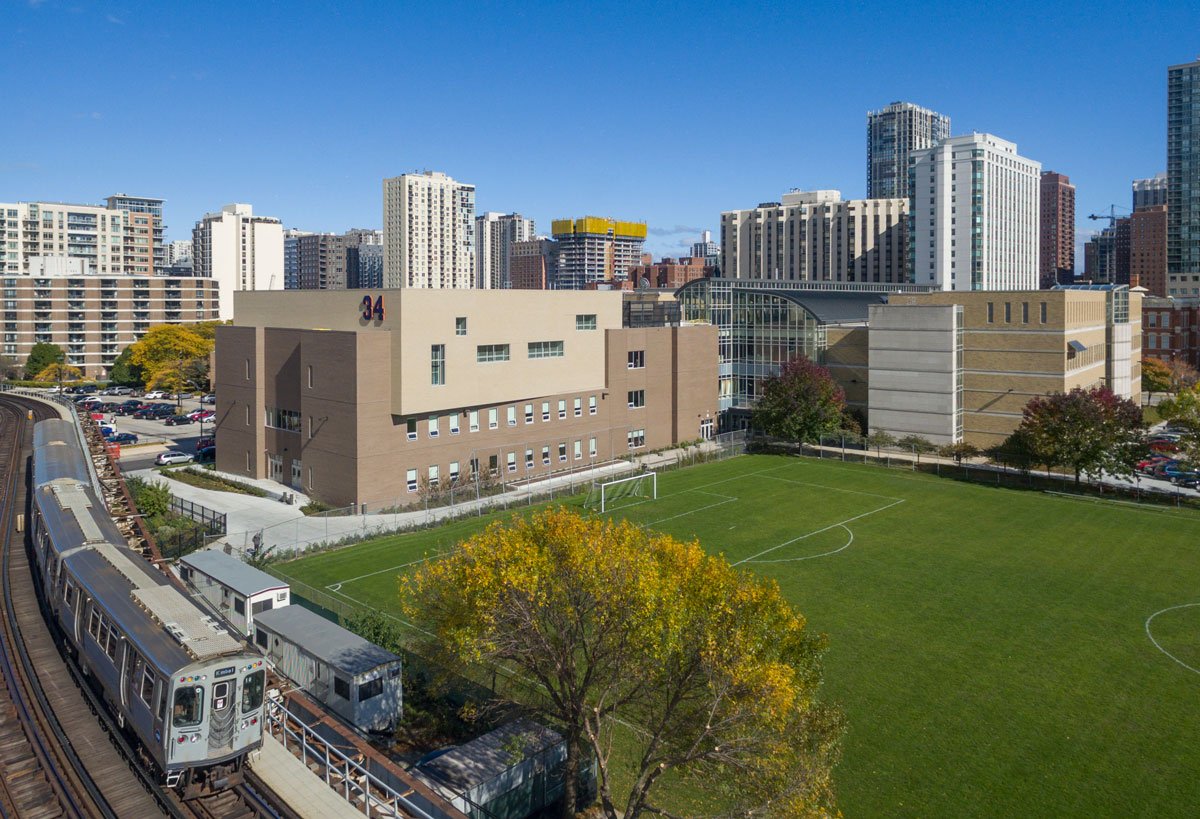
<point x="370" y="689"/>
<point x="94" y="625"/>
<point x="189" y="707"/>
<point x="220" y="696"/>
<point x="341" y="688"/>
<point x="162" y="703"/>
<point x="147" y="692"/>
<point x="69" y="595"/>
<point x="252" y="691"/>
<point x="111" y="644"/>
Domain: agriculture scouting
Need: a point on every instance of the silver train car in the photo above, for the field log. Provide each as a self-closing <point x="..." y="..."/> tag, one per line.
<point x="190" y="691"/>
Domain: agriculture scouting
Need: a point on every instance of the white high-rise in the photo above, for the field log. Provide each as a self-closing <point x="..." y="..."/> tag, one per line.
<point x="239" y="250"/>
<point x="428" y="231"/>
<point x="974" y="219"/>
<point x="494" y="235"/>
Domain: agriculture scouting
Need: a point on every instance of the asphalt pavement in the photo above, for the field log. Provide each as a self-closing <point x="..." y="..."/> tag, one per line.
<point x="154" y="436"/>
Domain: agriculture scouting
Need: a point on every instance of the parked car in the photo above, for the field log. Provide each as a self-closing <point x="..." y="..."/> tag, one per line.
<point x="179" y="420"/>
<point x="1147" y="466"/>
<point x="120" y="390"/>
<point x="155" y="395"/>
<point x="90" y="402"/>
<point x="196" y="414"/>
<point x="207" y="455"/>
<point x="125" y="409"/>
<point x="205" y="442"/>
<point x="162" y="413"/>
<point x="179" y="395"/>
<point x="124" y="438"/>
<point x="87" y="389"/>
<point x="211" y="398"/>
<point x="52" y="390"/>
<point x="1164" y="446"/>
<point x="173" y="457"/>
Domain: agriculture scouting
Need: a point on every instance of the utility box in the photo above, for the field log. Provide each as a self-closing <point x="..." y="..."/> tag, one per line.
<point x="239" y="592"/>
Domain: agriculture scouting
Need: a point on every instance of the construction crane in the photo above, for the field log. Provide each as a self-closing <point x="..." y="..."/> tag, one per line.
<point x="1110" y="256"/>
<point x="1111" y="216"/>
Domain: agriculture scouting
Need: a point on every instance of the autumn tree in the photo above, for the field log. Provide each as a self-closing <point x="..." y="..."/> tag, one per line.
<point x="879" y="439"/>
<point x="1089" y="431"/>
<point x="1183" y="374"/>
<point x="169" y="355"/>
<point x="960" y="451"/>
<point x="918" y="444"/>
<point x="800" y="403"/>
<point x="1183" y="410"/>
<point x="1156" y="377"/>
<point x="59" y="372"/>
<point x="596" y="621"/>
<point x="41" y="356"/>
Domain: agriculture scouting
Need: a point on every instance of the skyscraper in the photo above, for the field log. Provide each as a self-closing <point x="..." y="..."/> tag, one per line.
<point x="1183" y="179"/>
<point x="1057" y="252"/>
<point x="1150" y="192"/>
<point x="973" y="204"/>
<point x="321" y="258"/>
<point x="291" y="257"/>
<point x="706" y="248"/>
<point x="428" y="231"/>
<point x="1148" y="249"/>
<point x="144" y="232"/>
<point x="240" y="250"/>
<point x="893" y="133"/>
<point x="494" y="236"/>
<point x="595" y="249"/>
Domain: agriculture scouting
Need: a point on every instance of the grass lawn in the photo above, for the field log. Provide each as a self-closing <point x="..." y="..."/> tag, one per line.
<point x="989" y="646"/>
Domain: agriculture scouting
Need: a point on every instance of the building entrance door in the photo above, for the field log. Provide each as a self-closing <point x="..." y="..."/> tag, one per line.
<point x="296" y="475"/>
<point x="276" y="467"/>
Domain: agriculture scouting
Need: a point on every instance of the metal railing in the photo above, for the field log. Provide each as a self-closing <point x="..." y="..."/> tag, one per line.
<point x="212" y="520"/>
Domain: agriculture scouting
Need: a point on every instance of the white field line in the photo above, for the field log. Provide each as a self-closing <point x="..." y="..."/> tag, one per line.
<point x="819" y="531"/>
<point x="810" y="557"/>
<point x="727" y="499"/>
<point x="1133" y="506"/>
<point x="338" y="585"/>
<point x="830" y="488"/>
<point x="1159" y="647"/>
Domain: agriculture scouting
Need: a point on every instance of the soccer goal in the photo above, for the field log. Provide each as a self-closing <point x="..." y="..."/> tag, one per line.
<point x="644" y="485"/>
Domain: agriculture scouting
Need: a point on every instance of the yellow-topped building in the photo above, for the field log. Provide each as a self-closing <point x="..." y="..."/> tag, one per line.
<point x="596" y="249"/>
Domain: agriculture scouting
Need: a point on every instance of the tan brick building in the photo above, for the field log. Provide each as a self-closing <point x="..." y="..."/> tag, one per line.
<point x="367" y="397"/>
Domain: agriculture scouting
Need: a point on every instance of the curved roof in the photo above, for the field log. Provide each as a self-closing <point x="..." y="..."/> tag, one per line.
<point x="832" y="307"/>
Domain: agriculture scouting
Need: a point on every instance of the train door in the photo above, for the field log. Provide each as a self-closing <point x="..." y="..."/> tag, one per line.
<point x="220" y="725"/>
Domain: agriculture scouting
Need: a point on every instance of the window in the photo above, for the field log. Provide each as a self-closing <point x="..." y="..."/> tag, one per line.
<point x="437" y="364"/>
<point x="474" y="419"/>
<point x="310" y="427"/>
<point x="411" y="481"/>
<point x="341" y="687"/>
<point x="247" y="369"/>
<point x="529" y="413"/>
<point x="493" y="464"/>
<point x="487" y="353"/>
<point x="433" y="476"/>
<point x="260" y="638"/>
<point x="189" y="705"/>
<point x="636" y="359"/>
<point x="1043" y="312"/>
<point x="592" y="447"/>
<point x="585" y="321"/>
<point x="1008" y="312"/>
<point x="578" y="407"/>
<point x="546" y="455"/>
<point x="512" y="416"/>
<point x="637" y="399"/>
<point x="545" y="410"/>
<point x="460" y="326"/>
<point x="433" y="426"/>
<point x="562" y="453"/>
<point x="529" y="459"/>
<point x="252" y="690"/>
<point x="370" y="689"/>
<point x="545" y="349"/>
<point x="282" y="419"/>
<point x="453" y="471"/>
<point x="991" y="312"/>
<point x="247" y="415"/>
<point x="493" y="418"/>
<point x="562" y="408"/>
<point x="454" y="423"/>
<point x="1024" y="312"/>
<point x="310" y="376"/>
<point x="411" y="424"/>
<point x="637" y="438"/>
<point x="591" y="405"/>
<point x="511" y="459"/>
<point x="578" y="449"/>
<point x="239" y="605"/>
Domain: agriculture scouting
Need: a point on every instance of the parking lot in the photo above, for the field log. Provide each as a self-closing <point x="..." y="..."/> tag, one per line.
<point x="154" y="432"/>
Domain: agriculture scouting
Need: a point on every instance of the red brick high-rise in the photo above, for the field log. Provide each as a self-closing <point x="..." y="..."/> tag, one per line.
<point x="1057" y="251"/>
<point x="1148" y="249"/>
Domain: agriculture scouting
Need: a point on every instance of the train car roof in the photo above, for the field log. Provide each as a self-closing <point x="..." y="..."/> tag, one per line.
<point x="327" y="641"/>
<point x="74" y="516"/>
<point x="232" y="573"/>
<point x="57" y="454"/>
<point x="164" y="622"/>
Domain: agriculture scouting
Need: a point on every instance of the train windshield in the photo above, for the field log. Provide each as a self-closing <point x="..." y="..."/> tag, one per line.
<point x="189" y="706"/>
<point x="252" y="691"/>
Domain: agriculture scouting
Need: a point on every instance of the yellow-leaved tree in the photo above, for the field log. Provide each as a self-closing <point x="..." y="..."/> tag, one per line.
<point x="172" y="357"/>
<point x="59" y="372"/>
<point x="605" y="627"/>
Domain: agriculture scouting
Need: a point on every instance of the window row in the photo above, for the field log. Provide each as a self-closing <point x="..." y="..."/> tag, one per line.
<point x="282" y="419"/>
<point x="433" y="424"/>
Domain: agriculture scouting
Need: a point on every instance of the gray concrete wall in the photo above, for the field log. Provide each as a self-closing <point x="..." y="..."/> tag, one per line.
<point x="913" y="365"/>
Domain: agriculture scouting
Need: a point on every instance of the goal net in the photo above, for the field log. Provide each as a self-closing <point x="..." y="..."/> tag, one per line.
<point x="603" y="497"/>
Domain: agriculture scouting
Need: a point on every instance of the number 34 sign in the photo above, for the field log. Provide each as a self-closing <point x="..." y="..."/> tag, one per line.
<point x="372" y="309"/>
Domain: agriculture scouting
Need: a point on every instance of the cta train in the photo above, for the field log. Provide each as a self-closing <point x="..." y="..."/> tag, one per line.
<point x="190" y="691"/>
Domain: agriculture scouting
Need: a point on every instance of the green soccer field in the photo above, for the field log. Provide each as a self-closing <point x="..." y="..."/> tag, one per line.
<point x="997" y="652"/>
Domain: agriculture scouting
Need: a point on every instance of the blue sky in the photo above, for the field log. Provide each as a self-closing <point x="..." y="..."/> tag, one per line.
<point x="669" y="113"/>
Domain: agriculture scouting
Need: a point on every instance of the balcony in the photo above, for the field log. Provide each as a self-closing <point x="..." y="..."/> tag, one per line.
<point x="108" y="305"/>
<point x="76" y="327"/>
<point x="76" y="306"/>
<point x="141" y="316"/>
<point x="108" y="316"/>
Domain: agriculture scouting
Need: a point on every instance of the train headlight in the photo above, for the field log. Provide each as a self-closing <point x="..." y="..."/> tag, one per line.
<point x="195" y="737"/>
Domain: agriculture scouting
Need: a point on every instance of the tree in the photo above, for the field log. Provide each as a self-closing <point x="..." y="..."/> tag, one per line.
<point x="879" y="439"/>
<point x="611" y="621"/>
<point x="167" y="354"/>
<point x="125" y="374"/>
<point x="800" y="403"/>
<point x="1016" y="450"/>
<point x="1183" y="410"/>
<point x="59" y="372"/>
<point x="1183" y="374"/>
<point x="919" y="445"/>
<point x="10" y="368"/>
<point x="1085" y="430"/>
<point x="960" y="451"/>
<point x="1156" y="377"/>
<point x="42" y="356"/>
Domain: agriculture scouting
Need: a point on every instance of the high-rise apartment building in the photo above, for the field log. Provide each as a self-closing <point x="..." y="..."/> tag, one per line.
<point x="494" y="237"/>
<point x="816" y="236"/>
<point x="356" y="237"/>
<point x="1183" y="178"/>
<point x="893" y="133"/>
<point x="1100" y="257"/>
<point x="291" y="258"/>
<point x="428" y="231"/>
<point x="1148" y="249"/>
<point x="107" y="240"/>
<point x="240" y="250"/>
<point x="973" y="204"/>
<point x="595" y="249"/>
<point x="1150" y="192"/>
<point x="1057" y="252"/>
<point x="143" y="233"/>
<point x="364" y="266"/>
<point x="706" y="248"/>
<point x="179" y="252"/>
<point x="321" y="258"/>
<point x="533" y="264"/>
